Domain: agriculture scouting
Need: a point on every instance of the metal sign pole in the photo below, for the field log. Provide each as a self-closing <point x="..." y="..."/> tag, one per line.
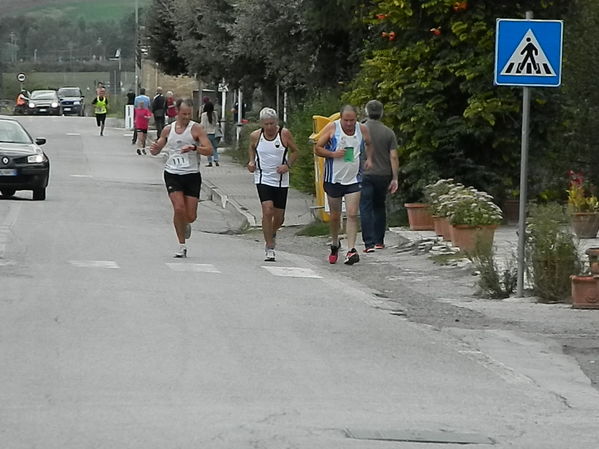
<point x="523" y="184"/>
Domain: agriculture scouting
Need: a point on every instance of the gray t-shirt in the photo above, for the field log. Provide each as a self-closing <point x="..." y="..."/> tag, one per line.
<point x="383" y="141"/>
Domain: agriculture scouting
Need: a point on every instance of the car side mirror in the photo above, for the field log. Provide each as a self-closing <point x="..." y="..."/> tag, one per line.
<point x="40" y="140"/>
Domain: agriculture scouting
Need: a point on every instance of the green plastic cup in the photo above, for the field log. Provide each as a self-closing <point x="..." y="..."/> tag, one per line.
<point x="349" y="154"/>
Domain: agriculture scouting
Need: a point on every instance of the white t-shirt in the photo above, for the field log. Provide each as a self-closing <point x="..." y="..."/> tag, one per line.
<point x="269" y="155"/>
<point x="179" y="163"/>
<point x="338" y="170"/>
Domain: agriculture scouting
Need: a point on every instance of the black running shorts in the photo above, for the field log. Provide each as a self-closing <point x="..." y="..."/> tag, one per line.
<point x="278" y="195"/>
<point x="189" y="184"/>
<point x="100" y="118"/>
<point x="337" y="190"/>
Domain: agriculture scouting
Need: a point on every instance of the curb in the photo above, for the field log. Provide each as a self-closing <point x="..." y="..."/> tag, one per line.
<point x="221" y="199"/>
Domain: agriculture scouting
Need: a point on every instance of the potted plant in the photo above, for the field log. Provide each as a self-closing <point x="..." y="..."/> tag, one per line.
<point x="474" y="216"/>
<point x="583" y="207"/>
<point x="585" y="287"/>
<point x="434" y="194"/>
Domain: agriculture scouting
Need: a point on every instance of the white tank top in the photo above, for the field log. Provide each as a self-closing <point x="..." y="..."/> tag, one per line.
<point x="338" y="170"/>
<point x="269" y="155"/>
<point x="179" y="163"/>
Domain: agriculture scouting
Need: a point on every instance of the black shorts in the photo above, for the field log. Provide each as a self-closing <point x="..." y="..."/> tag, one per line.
<point x="337" y="190"/>
<point x="139" y="130"/>
<point x="278" y="195"/>
<point x="189" y="184"/>
<point x="100" y="118"/>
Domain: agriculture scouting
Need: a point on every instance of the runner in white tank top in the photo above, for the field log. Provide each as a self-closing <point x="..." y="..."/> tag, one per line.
<point x="271" y="152"/>
<point x="182" y="168"/>
<point x="341" y="143"/>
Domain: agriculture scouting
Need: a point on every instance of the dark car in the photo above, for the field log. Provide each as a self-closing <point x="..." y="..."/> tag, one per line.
<point x="23" y="164"/>
<point x="44" y="102"/>
<point x="71" y="100"/>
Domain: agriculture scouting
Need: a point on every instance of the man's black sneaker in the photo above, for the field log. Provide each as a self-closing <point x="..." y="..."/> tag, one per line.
<point x="351" y="257"/>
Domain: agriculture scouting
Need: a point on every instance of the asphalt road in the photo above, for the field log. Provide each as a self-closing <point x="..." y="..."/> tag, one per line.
<point x="106" y="341"/>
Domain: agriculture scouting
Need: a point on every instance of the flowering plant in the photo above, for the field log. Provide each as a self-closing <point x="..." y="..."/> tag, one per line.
<point x="468" y="206"/>
<point x="579" y="197"/>
<point x="434" y="192"/>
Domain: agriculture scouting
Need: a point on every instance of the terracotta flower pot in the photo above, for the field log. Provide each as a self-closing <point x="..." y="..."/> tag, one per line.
<point x="472" y="238"/>
<point x="593" y="254"/>
<point x="438" y="225"/>
<point x="446" y="228"/>
<point x="419" y="217"/>
<point x="585" y="294"/>
<point x="585" y="224"/>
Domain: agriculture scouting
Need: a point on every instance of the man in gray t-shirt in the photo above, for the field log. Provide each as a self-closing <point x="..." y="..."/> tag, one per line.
<point x="377" y="180"/>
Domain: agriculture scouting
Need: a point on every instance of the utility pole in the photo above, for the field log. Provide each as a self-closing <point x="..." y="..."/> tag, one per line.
<point x="137" y="49"/>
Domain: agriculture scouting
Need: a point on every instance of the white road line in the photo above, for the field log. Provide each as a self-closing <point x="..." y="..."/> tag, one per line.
<point x="94" y="263"/>
<point x="9" y="221"/>
<point x="294" y="272"/>
<point x="73" y="134"/>
<point x="193" y="267"/>
<point x="81" y="176"/>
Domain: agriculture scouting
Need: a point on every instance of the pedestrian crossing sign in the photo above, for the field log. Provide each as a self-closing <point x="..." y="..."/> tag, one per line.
<point x="528" y="53"/>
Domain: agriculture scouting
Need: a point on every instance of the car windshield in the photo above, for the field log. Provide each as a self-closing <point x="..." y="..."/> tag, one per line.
<point x="12" y="132"/>
<point x="69" y="92"/>
<point x="43" y="96"/>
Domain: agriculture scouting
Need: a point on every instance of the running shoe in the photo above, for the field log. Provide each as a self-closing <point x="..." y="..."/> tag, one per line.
<point x="139" y="151"/>
<point x="370" y="249"/>
<point x="379" y="246"/>
<point x="143" y="150"/>
<point x="187" y="231"/>
<point x="334" y="254"/>
<point x="209" y="164"/>
<point x="351" y="257"/>
<point x="217" y="164"/>
<point x="181" y="252"/>
<point x="270" y="255"/>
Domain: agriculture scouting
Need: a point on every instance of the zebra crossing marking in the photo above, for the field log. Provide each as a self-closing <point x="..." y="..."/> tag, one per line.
<point x="108" y="264"/>
<point x="193" y="267"/>
<point x="528" y="59"/>
<point x="295" y="272"/>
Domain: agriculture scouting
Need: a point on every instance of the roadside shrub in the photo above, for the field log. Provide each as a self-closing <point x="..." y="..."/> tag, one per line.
<point x="552" y="253"/>
<point x="495" y="282"/>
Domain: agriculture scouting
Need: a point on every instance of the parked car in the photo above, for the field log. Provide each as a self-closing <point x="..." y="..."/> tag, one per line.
<point x="44" y="102"/>
<point x="71" y="100"/>
<point x="23" y="164"/>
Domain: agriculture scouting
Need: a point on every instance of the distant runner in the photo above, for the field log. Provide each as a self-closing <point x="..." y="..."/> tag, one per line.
<point x="182" y="168"/>
<point x="101" y="108"/>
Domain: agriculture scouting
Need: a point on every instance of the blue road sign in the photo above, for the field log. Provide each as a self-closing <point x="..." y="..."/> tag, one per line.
<point x="528" y="53"/>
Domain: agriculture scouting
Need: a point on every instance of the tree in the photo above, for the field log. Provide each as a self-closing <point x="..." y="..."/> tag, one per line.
<point x="433" y="71"/>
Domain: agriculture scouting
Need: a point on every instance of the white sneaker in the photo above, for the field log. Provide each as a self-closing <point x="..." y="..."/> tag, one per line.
<point x="270" y="255"/>
<point x="181" y="252"/>
<point x="188" y="231"/>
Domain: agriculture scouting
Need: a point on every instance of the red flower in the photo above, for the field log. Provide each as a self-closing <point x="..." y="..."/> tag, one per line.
<point x="381" y="16"/>
<point x="436" y="31"/>
<point x="460" y="6"/>
<point x="392" y="36"/>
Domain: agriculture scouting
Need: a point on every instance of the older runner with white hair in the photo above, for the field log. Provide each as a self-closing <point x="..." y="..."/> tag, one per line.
<point x="272" y="152"/>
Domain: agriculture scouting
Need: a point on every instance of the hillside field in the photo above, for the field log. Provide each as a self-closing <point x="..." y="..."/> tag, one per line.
<point x="91" y="10"/>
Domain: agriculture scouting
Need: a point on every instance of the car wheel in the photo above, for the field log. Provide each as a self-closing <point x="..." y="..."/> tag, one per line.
<point x="39" y="194"/>
<point x="8" y="192"/>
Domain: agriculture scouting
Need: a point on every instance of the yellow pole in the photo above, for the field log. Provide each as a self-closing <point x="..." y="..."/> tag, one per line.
<point x="318" y="123"/>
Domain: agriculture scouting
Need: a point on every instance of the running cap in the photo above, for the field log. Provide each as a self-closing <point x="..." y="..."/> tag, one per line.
<point x="268" y="113"/>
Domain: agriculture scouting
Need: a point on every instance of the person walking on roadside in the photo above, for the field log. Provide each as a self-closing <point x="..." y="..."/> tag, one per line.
<point x="209" y="120"/>
<point x="171" y="109"/>
<point x="379" y="179"/>
<point x="184" y="140"/>
<point x="159" y="109"/>
<point x="141" y="98"/>
<point x="342" y="143"/>
<point x="272" y="152"/>
<point x="100" y="104"/>
<point x="142" y="116"/>
<point x="130" y="97"/>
